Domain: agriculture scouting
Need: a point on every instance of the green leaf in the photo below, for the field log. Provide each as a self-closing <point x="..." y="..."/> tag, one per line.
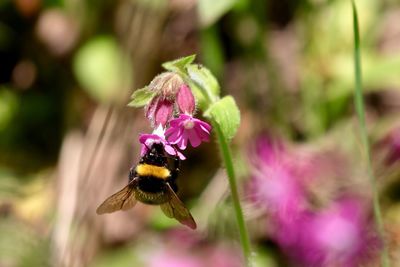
<point x="226" y="113"/>
<point x="205" y="79"/>
<point x="141" y="97"/>
<point x="359" y="105"/>
<point x="101" y="69"/>
<point x="210" y="11"/>
<point x="178" y="64"/>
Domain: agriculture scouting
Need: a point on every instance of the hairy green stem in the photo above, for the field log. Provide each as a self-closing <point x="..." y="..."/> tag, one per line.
<point x="230" y="170"/>
<point x="359" y="104"/>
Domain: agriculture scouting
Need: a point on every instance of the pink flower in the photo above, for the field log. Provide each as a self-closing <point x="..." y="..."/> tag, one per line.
<point x="159" y="111"/>
<point x="293" y="237"/>
<point x="166" y="87"/>
<point x="158" y="137"/>
<point x="342" y="234"/>
<point x="187" y="129"/>
<point x="275" y="189"/>
<point x="185" y="100"/>
<point x="275" y="185"/>
<point x="224" y="256"/>
<point x="198" y="252"/>
<point x="338" y="236"/>
<point x="174" y="259"/>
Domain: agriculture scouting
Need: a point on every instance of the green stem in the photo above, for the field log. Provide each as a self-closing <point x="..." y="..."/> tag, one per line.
<point x="359" y="103"/>
<point x="227" y="158"/>
<point x="230" y="170"/>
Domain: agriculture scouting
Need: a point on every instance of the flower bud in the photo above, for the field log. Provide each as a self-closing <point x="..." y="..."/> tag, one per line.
<point x="166" y="85"/>
<point x="160" y="109"/>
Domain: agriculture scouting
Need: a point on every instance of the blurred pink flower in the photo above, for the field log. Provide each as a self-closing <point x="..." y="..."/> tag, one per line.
<point x="342" y="234"/>
<point x="186" y="129"/>
<point x="158" y="137"/>
<point x="222" y="256"/>
<point x="293" y="237"/>
<point x="338" y="236"/>
<point x="274" y="185"/>
<point x="174" y="259"/>
<point x="274" y="188"/>
<point x="188" y="249"/>
<point x="267" y="150"/>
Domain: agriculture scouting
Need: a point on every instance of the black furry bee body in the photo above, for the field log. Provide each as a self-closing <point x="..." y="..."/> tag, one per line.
<point x="152" y="181"/>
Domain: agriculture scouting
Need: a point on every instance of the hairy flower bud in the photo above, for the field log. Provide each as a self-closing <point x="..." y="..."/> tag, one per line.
<point x="166" y="85"/>
<point x="160" y="109"/>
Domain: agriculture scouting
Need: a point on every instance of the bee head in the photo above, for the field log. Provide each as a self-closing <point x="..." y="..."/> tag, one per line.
<point x="157" y="149"/>
<point x="155" y="155"/>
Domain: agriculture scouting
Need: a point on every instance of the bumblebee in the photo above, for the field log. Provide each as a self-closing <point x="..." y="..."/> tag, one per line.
<point x="152" y="182"/>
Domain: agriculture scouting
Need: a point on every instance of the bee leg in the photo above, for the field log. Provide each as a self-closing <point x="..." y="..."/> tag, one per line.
<point x="174" y="173"/>
<point x="132" y="174"/>
<point x="173" y="185"/>
<point x="175" y="169"/>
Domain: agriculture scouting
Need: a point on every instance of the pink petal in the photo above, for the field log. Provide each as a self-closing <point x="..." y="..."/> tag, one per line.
<point x="202" y="128"/>
<point x="203" y="135"/>
<point x="173" y="134"/>
<point x="182" y="144"/>
<point x="193" y="138"/>
<point x="184" y="117"/>
<point x="207" y="131"/>
<point x="144" y="137"/>
<point x="163" y="112"/>
<point x="170" y="150"/>
<point x="174" y="152"/>
<point x="176" y="122"/>
<point x="177" y="136"/>
<point x="181" y="156"/>
<point x="185" y="100"/>
<point x="143" y="150"/>
<point x="204" y="125"/>
<point x="151" y="108"/>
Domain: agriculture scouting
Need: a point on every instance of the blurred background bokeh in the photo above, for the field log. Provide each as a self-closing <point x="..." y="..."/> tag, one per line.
<point x="67" y="138"/>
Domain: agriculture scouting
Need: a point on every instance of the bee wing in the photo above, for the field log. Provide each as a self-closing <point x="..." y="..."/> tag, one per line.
<point x="176" y="209"/>
<point x="122" y="200"/>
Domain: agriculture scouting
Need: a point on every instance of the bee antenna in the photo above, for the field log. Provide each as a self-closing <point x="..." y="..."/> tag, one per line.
<point x="176" y="151"/>
<point x="148" y="148"/>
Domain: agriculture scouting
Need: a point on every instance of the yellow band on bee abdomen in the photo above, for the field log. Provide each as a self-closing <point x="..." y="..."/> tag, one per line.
<point x="151" y="170"/>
